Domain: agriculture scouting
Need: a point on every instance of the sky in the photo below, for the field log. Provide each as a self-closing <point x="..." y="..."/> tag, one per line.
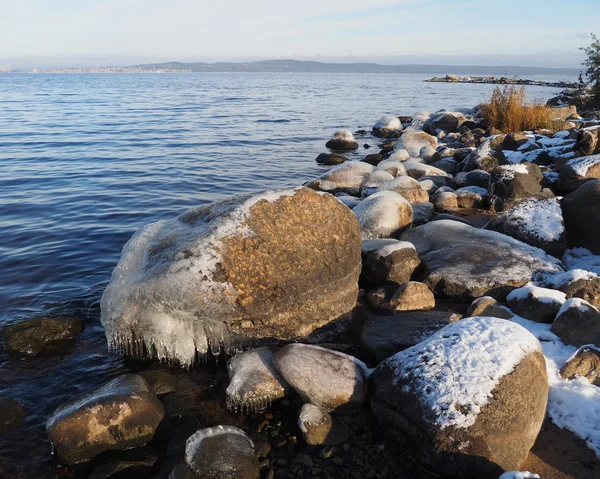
<point x="468" y="32"/>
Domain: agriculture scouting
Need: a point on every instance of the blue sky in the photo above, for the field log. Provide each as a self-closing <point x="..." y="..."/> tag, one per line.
<point x="526" y="32"/>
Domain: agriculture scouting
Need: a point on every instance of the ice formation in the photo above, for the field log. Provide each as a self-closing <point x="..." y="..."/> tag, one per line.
<point x="347" y="177"/>
<point x="464" y="362"/>
<point x="519" y="475"/>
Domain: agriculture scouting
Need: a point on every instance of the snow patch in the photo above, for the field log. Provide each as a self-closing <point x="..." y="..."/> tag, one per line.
<point x="539" y="218"/>
<point x="580" y="166"/>
<point x="581" y="258"/>
<point x="543" y="295"/>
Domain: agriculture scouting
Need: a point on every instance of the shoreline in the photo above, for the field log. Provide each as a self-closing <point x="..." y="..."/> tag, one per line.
<point x="501" y="81"/>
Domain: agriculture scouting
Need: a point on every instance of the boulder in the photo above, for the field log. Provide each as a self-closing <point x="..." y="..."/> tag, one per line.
<point x="388" y="126"/>
<point x="447" y="165"/>
<point x="399" y="155"/>
<point x="422" y="213"/>
<point x="484" y="157"/>
<point x="510" y="184"/>
<point x="588" y="141"/>
<point x="407" y="187"/>
<point x="410" y="296"/>
<point x="472" y="197"/>
<point x="12" y="415"/>
<point x="473" y="178"/>
<point x="469" y="401"/>
<point x="233" y="274"/>
<point x="578" y="283"/>
<point x="374" y="181"/>
<point x="373" y="159"/>
<point x="585" y="363"/>
<point x="254" y="383"/>
<point x="577" y="323"/>
<point x="383" y="215"/>
<point x="34" y="336"/>
<point x="412" y="141"/>
<point x="319" y="428"/>
<point x="159" y="381"/>
<point x="330" y="159"/>
<point x="122" y="414"/>
<point x="342" y="140"/>
<point x="388" y="261"/>
<point x="393" y="167"/>
<point x="331" y="380"/>
<point x="444" y="121"/>
<point x="535" y="303"/>
<point x="429" y="154"/>
<point x="218" y="452"/>
<point x="345" y="178"/>
<point x="537" y="221"/>
<point x="513" y="141"/>
<point x="418" y="170"/>
<point x="464" y="262"/>
<point x="488" y="306"/>
<point x="578" y="171"/>
<point x="581" y="212"/>
<point x="445" y="201"/>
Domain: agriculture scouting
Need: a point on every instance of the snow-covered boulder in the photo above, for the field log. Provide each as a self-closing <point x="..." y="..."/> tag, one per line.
<point x="488" y="306"/>
<point x="463" y="262"/>
<point x="220" y="451"/>
<point x="274" y="265"/>
<point x="399" y="155"/>
<point x="585" y="363"/>
<point x="407" y="187"/>
<point x="581" y="211"/>
<point x="472" y="197"/>
<point x="393" y="167"/>
<point x="418" y="170"/>
<point x="331" y="380"/>
<point x="387" y="127"/>
<point x="577" y="172"/>
<point x="577" y="323"/>
<point x="374" y="181"/>
<point x="577" y="283"/>
<point x="383" y="215"/>
<point x="445" y="121"/>
<point x="469" y="401"/>
<point x="588" y="141"/>
<point x="484" y="157"/>
<point x="388" y="261"/>
<point x="342" y="140"/>
<point x="537" y="221"/>
<point x="535" y="303"/>
<point x="254" y="383"/>
<point x="510" y="184"/>
<point x="412" y="141"/>
<point x="345" y="178"/>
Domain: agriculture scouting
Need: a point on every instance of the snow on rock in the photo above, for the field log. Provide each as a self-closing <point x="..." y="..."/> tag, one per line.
<point x="393" y="167"/>
<point x="535" y="303"/>
<point x="519" y="475"/>
<point x="384" y="247"/>
<point x="374" y="181"/>
<point x="413" y="141"/>
<point x="383" y="214"/>
<point x="342" y="140"/>
<point x="582" y="259"/>
<point x="543" y="295"/>
<point x="399" y="155"/>
<point x="388" y="122"/>
<point x="345" y="178"/>
<point x="577" y="171"/>
<point x="388" y="260"/>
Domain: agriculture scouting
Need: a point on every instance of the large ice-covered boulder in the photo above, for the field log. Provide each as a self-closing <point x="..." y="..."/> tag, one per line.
<point x="578" y="171"/>
<point x="464" y="262"/>
<point x="469" y="401"/>
<point x="276" y="265"/>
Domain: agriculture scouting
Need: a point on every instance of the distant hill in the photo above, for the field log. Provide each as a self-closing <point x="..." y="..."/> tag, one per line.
<point x="296" y="66"/>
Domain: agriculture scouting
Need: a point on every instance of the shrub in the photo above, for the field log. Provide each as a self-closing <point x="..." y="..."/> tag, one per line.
<point x="508" y="111"/>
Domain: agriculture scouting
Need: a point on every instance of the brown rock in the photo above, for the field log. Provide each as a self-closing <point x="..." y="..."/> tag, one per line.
<point x="388" y="261"/>
<point x="34" y="336"/>
<point x="345" y="178"/>
<point x="445" y="201"/>
<point x="12" y="415"/>
<point x="588" y="141"/>
<point x="321" y="429"/>
<point x="407" y="187"/>
<point x="585" y="363"/>
<point x="488" y="306"/>
<point x="578" y="171"/>
<point x="577" y="323"/>
<point x="411" y="296"/>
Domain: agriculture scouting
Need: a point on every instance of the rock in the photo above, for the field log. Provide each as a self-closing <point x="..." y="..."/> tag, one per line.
<point x="447" y="165"/>
<point x="407" y="187"/>
<point x="488" y="306"/>
<point x="581" y="212"/>
<point x="254" y="382"/>
<point x="136" y="464"/>
<point x="217" y="453"/>
<point x="469" y="401"/>
<point x="330" y="159"/>
<point x="564" y="112"/>
<point x="577" y="323"/>
<point x="374" y="181"/>
<point x="445" y="201"/>
<point x="463" y="262"/>
<point x="330" y="380"/>
<point x="393" y="167"/>
<point x="384" y="336"/>
<point x="422" y="213"/>
<point x="429" y="154"/>
<point x="484" y="157"/>
<point x="388" y="126"/>
<point x="319" y="428"/>
<point x="373" y="159"/>
<point x="519" y="475"/>
<point x="513" y="141"/>
<point x="410" y="296"/>
<point x="472" y="197"/>
<point x="584" y="363"/>
<point x="342" y="140"/>
<point x="383" y="215"/>
<point x="346" y="178"/>
<point x="537" y="304"/>
<point x="122" y="414"/>
<point x="418" y="170"/>
<point x="444" y="121"/>
<point x="588" y="141"/>
<point x="579" y="283"/>
<point x="510" y="184"/>
<point x="412" y="141"/>
<point x="429" y="186"/>
<point x="473" y="178"/>
<point x="12" y="415"/>
<point x="578" y="171"/>
<point x="399" y="155"/>
<point x="159" y="381"/>
<point x="228" y="275"/>
<point x="36" y="335"/>
<point x="537" y="221"/>
<point x="388" y="261"/>
<point x="349" y="201"/>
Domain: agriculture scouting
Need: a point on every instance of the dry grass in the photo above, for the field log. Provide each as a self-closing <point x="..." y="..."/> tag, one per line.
<point x="508" y="111"/>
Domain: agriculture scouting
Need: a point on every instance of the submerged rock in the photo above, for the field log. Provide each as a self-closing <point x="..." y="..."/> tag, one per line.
<point x="469" y="401"/>
<point x="12" y="415"/>
<point x="121" y="414"/>
<point x="330" y="159"/>
<point x="330" y="380"/>
<point x="463" y="262"/>
<point x="254" y="381"/>
<point x="277" y="265"/>
<point x="34" y="336"/>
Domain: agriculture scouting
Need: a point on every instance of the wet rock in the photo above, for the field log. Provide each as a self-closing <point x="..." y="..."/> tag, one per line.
<point x="132" y="465"/>
<point x="373" y="159"/>
<point x="511" y="184"/>
<point x="578" y="171"/>
<point x="407" y="187"/>
<point x="330" y="159"/>
<point x="228" y="275"/>
<point x="488" y="306"/>
<point x="220" y="452"/>
<point x="482" y="419"/>
<point x="383" y="215"/>
<point x="161" y="382"/>
<point x="36" y="335"/>
<point x="412" y="141"/>
<point x="445" y="121"/>
<point x="581" y="212"/>
<point x="12" y="415"/>
<point x="254" y="381"/>
<point x="319" y="428"/>
<point x="537" y="304"/>
<point x="342" y="140"/>
<point x="577" y="323"/>
<point x="388" y="261"/>
<point x="345" y="178"/>
<point x="463" y="262"/>
<point x="122" y="414"/>
<point x="410" y="296"/>
<point x="330" y="380"/>
<point x="584" y="363"/>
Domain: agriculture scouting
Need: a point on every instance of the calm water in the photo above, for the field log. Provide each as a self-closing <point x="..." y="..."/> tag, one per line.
<point x="87" y="159"/>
